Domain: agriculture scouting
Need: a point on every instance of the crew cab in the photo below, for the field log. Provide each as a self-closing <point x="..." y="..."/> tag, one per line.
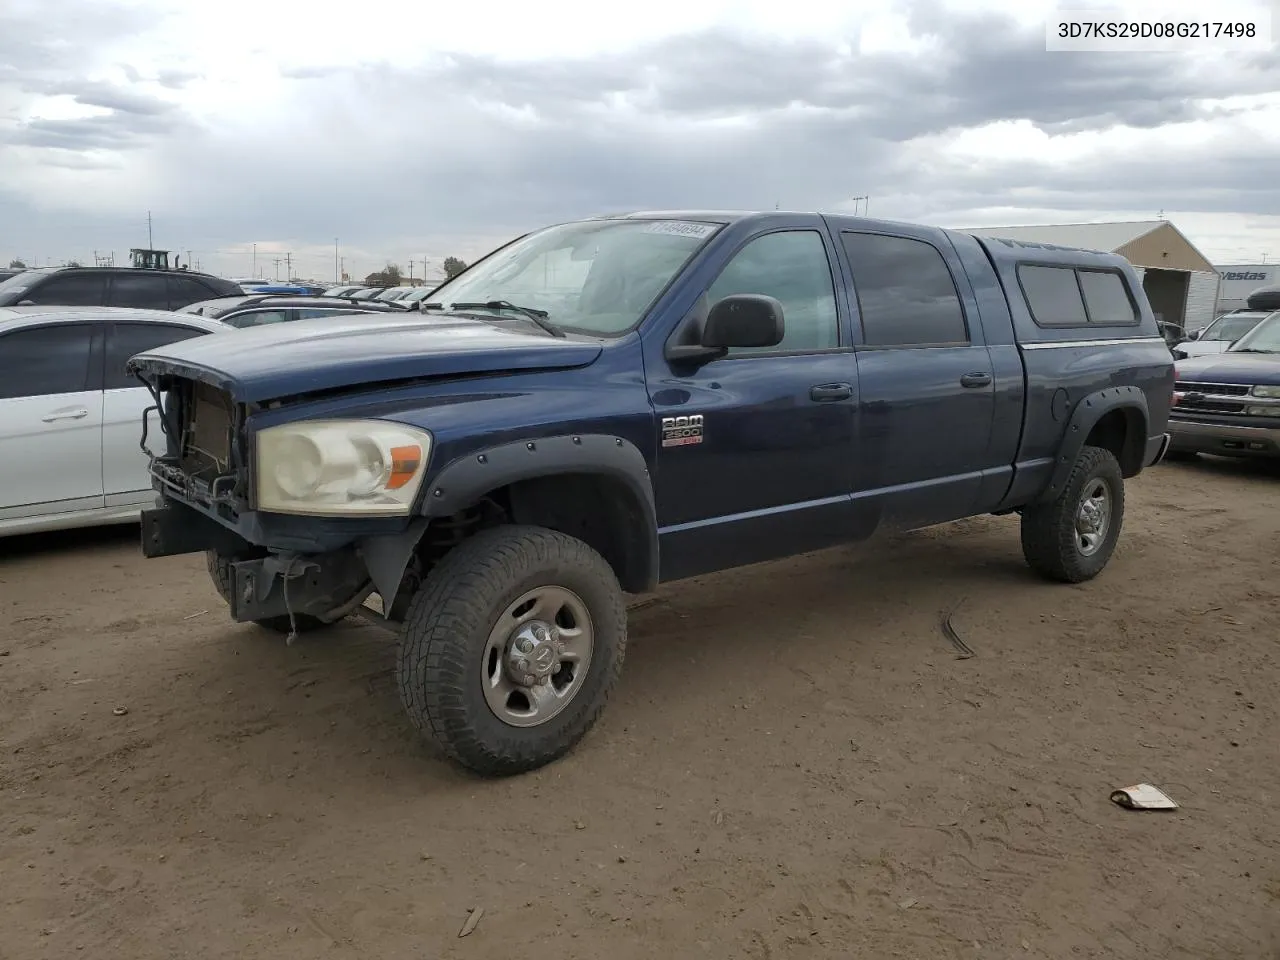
<point x="1229" y="403"/>
<point x="609" y="404"/>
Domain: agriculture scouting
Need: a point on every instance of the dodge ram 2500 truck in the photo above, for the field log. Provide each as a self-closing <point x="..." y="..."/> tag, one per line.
<point x="605" y="405"/>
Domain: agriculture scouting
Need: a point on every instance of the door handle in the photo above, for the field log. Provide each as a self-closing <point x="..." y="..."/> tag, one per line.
<point x="67" y="415"/>
<point x="827" y="392"/>
<point x="976" y="380"/>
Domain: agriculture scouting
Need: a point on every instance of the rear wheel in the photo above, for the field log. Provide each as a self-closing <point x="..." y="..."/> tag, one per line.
<point x="220" y="574"/>
<point x="511" y="648"/>
<point x="1071" y="538"/>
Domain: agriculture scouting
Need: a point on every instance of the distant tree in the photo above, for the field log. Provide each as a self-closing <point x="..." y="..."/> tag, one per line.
<point x="388" y="276"/>
<point x="74" y="263"/>
<point x="17" y="265"/>
<point x="453" y="266"/>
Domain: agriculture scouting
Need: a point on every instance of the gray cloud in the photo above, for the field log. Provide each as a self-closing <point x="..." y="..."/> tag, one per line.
<point x="474" y="145"/>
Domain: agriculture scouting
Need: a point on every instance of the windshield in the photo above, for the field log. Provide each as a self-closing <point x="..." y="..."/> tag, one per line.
<point x="596" y="277"/>
<point x="1264" y="338"/>
<point x="1232" y="327"/>
<point x="21" y="281"/>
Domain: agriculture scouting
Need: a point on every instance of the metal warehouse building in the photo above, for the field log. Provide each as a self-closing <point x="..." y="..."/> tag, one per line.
<point x="1180" y="282"/>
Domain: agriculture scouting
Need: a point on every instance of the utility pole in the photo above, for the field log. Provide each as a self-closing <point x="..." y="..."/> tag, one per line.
<point x="411" y="271"/>
<point x="865" y="201"/>
<point x="288" y="268"/>
<point x="150" y="243"/>
<point x="337" y="276"/>
<point x="255" y="261"/>
<point x="342" y="269"/>
<point x="276" y="262"/>
<point x="190" y="262"/>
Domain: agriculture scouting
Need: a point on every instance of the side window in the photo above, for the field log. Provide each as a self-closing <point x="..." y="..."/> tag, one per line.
<point x="41" y="361"/>
<point x="72" y="290"/>
<point x="1107" y="299"/>
<point x="128" y="339"/>
<point x="184" y="291"/>
<point x="1053" y="296"/>
<point x="906" y="294"/>
<point x="310" y="313"/>
<point x="138" y="288"/>
<point x="257" y="318"/>
<point x="791" y="266"/>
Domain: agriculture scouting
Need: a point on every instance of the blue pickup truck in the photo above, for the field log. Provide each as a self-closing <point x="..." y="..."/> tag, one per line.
<point x="605" y="405"/>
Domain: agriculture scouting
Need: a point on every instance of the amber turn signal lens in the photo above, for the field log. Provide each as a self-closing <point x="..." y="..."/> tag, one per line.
<point x="404" y="464"/>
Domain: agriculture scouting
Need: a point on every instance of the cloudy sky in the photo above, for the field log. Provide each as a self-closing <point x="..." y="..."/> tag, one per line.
<point x="408" y="129"/>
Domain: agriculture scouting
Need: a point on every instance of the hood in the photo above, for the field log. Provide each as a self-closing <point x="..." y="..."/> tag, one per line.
<point x="307" y="356"/>
<point x="1238" y="368"/>
<point x="1202" y="348"/>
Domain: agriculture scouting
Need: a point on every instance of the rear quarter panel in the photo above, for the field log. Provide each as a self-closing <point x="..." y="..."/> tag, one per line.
<point x="1064" y="365"/>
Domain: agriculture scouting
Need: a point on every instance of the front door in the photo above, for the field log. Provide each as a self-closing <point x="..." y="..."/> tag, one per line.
<point x="50" y="420"/>
<point x="926" y="379"/>
<point x="755" y="450"/>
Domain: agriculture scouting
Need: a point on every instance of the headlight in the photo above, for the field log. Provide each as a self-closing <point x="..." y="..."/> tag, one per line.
<point x="1262" y="411"/>
<point x="337" y="467"/>
<point x="1271" y="393"/>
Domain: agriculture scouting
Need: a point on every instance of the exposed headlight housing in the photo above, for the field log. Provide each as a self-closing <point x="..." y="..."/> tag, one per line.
<point x="341" y="467"/>
<point x="1271" y="393"/>
<point x="1262" y="411"/>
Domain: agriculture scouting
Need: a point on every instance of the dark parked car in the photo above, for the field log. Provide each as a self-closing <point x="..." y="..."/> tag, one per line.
<point x="606" y="405"/>
<point x="259" y="310"/>
<point x="113" y="287"/>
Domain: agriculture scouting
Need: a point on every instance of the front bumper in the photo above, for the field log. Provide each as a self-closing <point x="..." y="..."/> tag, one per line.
<point x="1224" y="439"/>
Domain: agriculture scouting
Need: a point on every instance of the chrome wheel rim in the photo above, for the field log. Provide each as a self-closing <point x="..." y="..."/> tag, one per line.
<point x="537" y="656"/>
<point x="1093" y="517"/>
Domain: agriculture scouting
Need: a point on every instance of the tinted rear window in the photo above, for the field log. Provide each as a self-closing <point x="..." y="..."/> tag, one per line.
<point x="1053" y="296"/>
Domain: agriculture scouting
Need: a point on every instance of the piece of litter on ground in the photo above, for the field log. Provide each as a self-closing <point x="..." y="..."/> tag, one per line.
<point x="472" y="920"/>
<point x="580" y="825"/>
<point x="718" y="817"/>
<point x="1143" y="796"/>
<point x="194" y="615"/>
<point x="119" y="711"/>
<point x="908" y="903"/>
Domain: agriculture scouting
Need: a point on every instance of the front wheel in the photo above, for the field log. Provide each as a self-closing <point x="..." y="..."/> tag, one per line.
<point x="511" y="648"/>
<point x="1071" y="538"/>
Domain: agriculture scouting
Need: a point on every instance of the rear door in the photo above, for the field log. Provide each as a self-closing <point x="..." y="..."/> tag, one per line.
<point x="50" y="420"/>
<point x="924" y="374"/>
<point x="124" y="466"/>
<point x="184" y="291"/>
<point x="141" y="289"/>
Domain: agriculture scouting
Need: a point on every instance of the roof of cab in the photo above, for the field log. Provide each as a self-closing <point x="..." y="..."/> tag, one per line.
<point x="13" y="317"/>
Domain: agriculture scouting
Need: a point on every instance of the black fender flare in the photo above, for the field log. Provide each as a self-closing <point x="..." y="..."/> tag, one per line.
<point x="1088" y="411"/>
<point x="468" y="478"/>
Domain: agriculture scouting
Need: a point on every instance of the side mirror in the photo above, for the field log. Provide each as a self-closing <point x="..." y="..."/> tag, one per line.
<point x="1194" y="334"/>
<point x="741" y="320"/>
<point x="744" y="320"/>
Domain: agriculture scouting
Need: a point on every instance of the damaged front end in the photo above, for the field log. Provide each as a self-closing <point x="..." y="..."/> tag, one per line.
<point x="320" y="565"/>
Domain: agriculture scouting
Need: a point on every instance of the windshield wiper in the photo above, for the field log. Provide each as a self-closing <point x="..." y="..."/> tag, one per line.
<point x="537" y="316"/>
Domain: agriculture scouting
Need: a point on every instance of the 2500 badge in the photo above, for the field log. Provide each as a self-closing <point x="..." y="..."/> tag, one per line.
<point x="681" y="431"/>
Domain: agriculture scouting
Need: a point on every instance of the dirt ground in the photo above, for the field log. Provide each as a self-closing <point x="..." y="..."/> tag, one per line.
<point x="796" y="765"/>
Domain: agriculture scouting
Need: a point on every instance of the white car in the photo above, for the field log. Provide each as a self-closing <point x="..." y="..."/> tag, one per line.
<point x="1217" y="336"/>
<point x="71" y="418"/>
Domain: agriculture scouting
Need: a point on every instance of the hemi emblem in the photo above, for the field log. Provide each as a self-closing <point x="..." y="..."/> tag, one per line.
<point x="681" y="431"/>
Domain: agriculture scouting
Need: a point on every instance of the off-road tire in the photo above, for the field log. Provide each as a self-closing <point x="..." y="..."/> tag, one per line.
<point x="447" y="626"/>
<point x="220" y="574"/>
<point x="1048" y="529"/>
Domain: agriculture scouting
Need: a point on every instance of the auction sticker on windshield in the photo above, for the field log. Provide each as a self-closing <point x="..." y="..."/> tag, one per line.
<point x="682" y="228"/>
